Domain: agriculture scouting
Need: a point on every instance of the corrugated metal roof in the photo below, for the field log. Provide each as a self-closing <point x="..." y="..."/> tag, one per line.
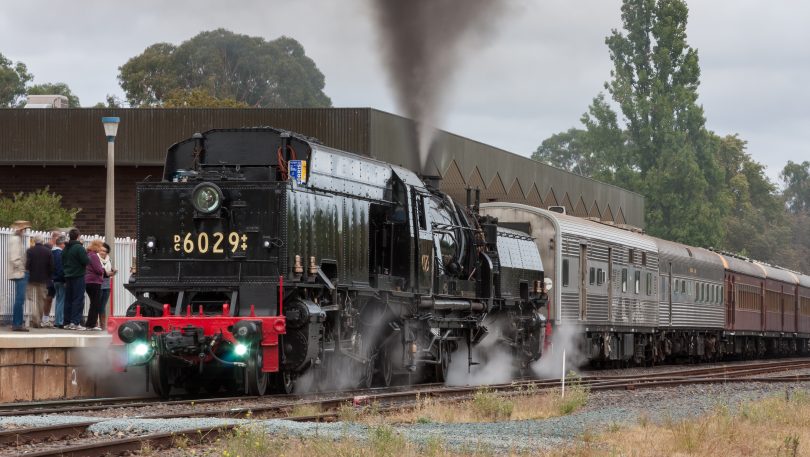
<point x="743" y="266"/>
<point x="683" y="251"/>
<point x="780" y="274"/>
<point x="582" y="227"/>
<point x="75" y="136"/>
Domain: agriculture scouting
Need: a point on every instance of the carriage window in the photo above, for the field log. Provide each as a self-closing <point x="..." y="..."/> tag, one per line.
<point x="683" y="286"/>
<point x="592" y="276"/>
<point x="644" y="258"/>
<point x="677" y="286"/>
<point x="638" y="281"/>
<point x="631" y="256"/>
<point x="565" y="273"/>
<point x="624" y="279"/>
<point x="600" y="277"/>
<point x="649" y="284"/>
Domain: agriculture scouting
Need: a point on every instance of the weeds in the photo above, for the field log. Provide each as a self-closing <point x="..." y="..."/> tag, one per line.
<point x="305" y="410"/>
<point x="488" y="406"/>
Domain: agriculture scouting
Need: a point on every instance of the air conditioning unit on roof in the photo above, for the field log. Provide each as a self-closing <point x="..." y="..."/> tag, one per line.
<point x="46" y="101"/>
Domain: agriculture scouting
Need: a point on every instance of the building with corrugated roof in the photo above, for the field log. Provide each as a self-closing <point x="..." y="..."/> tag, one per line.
<point x="65" y="149"/>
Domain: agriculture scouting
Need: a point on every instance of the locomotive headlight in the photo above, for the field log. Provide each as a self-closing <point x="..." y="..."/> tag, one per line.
<point x="240" y="349"/>
<point x="206" y="198"/>
<point x="140" y="349"/>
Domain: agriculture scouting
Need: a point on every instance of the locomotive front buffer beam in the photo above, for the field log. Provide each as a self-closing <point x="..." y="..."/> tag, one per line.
<point x="190" y="340"/>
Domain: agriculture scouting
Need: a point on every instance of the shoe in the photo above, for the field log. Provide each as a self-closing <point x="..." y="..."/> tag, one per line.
<point x="96" y="329"/>
<point x="48" y="324"/>
<point x="71" y="326"/>
<point x="19" y="329"/>
<point x="80" y="327"/>
<point x="59" y="326"/>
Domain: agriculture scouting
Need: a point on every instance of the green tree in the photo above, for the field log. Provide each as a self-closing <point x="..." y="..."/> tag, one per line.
<point x="199" y="98"/>
<point x="566" y="150"/>
<point x="756" y="223"/>
<point x="597" y="151"/>
<point x="56" y="89"/>
<point x="42" y="208"/>
<point x="226" y="66"/>
<point x="796" y="178"/>
<point x="655" y="78"/>
<point x="13" y="78"/>
<point x="111" y="101"/>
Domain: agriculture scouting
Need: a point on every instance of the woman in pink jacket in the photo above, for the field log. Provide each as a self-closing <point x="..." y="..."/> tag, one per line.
<point x="93" y="279"/>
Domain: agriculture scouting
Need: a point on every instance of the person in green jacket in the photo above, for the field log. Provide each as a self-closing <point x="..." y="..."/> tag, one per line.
<point x="74" y="262"/>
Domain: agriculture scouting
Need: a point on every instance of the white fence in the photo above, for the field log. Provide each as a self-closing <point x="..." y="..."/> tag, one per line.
<point x="123" y="253"/>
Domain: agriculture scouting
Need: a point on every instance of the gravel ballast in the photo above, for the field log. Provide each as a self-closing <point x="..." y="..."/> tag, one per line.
<point x="604" y="409"/>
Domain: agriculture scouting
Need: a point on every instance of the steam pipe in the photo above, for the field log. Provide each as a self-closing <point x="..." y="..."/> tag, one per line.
<point x="452" y="305"/>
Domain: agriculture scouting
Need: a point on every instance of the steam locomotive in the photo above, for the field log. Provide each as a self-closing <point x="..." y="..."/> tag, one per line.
<point x="264" y="255"/>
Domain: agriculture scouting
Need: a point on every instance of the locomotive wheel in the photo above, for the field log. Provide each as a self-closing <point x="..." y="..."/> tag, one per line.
<point x="385" y="367"/>
<point x="367" y="377"/>
<point x="255" y="379"/>
<point x="159" y="375"/>
<point x="284" y="382"/>
<point x="443" y="368"/>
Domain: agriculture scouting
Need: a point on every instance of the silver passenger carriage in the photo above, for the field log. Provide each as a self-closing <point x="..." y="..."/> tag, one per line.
<point x="604" y="280"/>
<point x="691" y="312"/>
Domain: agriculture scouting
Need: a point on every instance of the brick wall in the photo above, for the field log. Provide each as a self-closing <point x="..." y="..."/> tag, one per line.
<point x="83" y="187"/>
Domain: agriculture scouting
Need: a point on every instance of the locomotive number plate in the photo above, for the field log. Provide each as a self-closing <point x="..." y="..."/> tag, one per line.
<point x="214" y="243"/>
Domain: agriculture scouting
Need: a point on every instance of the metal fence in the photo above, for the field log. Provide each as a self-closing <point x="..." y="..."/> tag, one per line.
<point x="123" y="253"/>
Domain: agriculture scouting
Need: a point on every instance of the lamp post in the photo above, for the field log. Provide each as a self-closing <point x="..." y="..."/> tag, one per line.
<point x="110" y="129"/>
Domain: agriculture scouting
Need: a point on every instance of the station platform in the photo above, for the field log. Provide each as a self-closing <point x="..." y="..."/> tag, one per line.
<point x="46" y="364"/>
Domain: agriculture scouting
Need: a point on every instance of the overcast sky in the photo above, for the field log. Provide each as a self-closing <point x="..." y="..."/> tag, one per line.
<point x="534" y="76"/>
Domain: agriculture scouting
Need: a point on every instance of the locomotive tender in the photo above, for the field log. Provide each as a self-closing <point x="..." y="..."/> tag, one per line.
<point x="631" y="297"/>
<point x="264" y="255"/>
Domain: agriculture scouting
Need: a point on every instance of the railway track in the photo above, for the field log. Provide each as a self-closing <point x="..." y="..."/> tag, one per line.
<point x="383" y="400"/>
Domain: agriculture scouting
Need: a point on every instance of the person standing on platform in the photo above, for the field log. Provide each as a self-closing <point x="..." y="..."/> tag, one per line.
<point x="18" y="274"/>
<point x="109" y="272"/>
<point x="46" y="317"/>
<point x="93" y="279"/>
<point x="39" y="263"/>
<point x="74" y="264"/>
<point x="58" y="282"/>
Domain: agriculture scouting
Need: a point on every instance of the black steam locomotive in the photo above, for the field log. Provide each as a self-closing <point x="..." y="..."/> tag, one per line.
<point x="264" y="255"/>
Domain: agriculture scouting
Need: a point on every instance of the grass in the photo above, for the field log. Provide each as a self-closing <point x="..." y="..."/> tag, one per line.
<point x="776" y="426"/>
<point x="382" y="441"/>
<point x="489" y="406"/>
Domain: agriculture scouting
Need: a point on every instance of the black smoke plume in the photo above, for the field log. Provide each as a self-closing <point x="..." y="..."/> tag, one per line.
<point x="422" y="42"/>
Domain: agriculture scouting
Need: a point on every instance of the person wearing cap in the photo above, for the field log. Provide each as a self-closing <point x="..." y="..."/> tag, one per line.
<point x="39" y="263"/>
<point x="17" y="274"/>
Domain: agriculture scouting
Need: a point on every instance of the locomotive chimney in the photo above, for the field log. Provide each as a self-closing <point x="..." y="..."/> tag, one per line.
<point x="199" y="150"/>
<point x="469" y="197"/>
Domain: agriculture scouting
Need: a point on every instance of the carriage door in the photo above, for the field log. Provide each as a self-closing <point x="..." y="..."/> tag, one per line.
<point x="583" y="278"/>
<point x="610" y="284"/>
<point x="669" y="293"/>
